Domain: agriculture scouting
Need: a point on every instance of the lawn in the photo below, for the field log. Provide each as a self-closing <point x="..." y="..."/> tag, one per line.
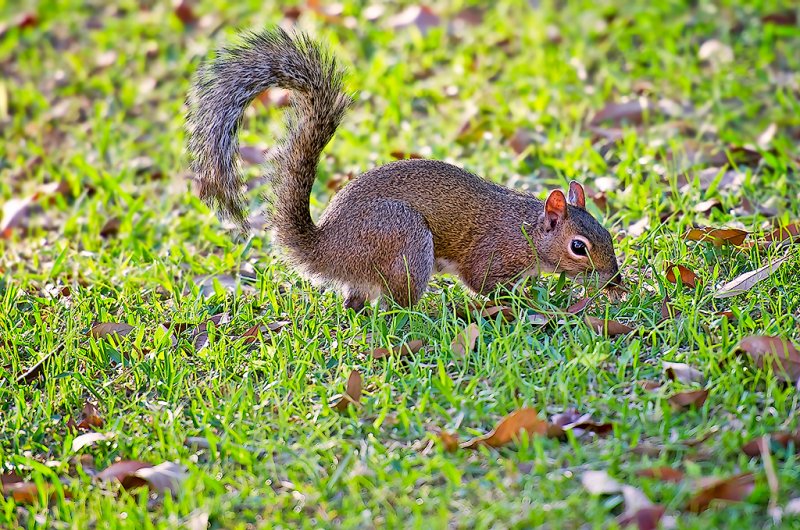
<point x="674" y="115"/>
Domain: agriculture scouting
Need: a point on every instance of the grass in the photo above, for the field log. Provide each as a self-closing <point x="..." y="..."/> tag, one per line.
<point x="95" y="92"/>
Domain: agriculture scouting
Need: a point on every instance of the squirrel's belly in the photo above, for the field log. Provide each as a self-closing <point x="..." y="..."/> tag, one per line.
<point x="446" y="266"/>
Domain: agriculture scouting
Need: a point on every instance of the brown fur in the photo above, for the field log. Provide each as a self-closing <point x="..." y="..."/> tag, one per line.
<point x="390" y="229"/>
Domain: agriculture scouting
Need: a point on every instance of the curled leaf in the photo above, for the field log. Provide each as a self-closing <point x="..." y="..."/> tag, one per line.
<point x="352" y="393"/>
<point x="730" y="489"/>
<point x="687" y="399"/>
<point x="579" y="306"/>
<point x="777" y="353"/>
<point x="688" y="278"/>
<point x="449" y="441"/>
<point x="88" y="439"/>
<point x="104" y="329"/>
<point x="509" y="428"/>
<point x="717" y="236"/>
<point x="409" y="348"/>
<point x="465" y="341"/>
<point x="682" y="372"/>
<point x="779" y="439"/>
<point x="610" y="328"/>
<point x="783" y="233"/>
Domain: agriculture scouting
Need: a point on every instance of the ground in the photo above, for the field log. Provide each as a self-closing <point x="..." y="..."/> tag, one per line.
<point x="672" y="114"/>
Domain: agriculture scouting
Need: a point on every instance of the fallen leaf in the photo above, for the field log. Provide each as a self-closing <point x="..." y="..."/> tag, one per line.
<point x="706" y="206"/>
<point x="745" y="282"/>
<point x="662" y="473"/>
<point x="35" y="371"/>
<point x="538" y="319"/>
<point x="779" y="439"/>
<point x="784" y="232"/>
<point x="645" y="518"/>
<point x="28" y="492"/>
<point x="717" y="236"/>
<point x="124" y="473"/>
<point x="449" y="441"/>
<point x="87" y="439"/>
<point x="402" y="155"/>
<point x="509" y="428"/>
<point x="465" y="341"/>
<point x="687" y="399"/>
<point x="422" y="17"/>
<point x="715" y="52"/>
<point x="491" y="311"/>
<point x="579" y="306"/>
<point x="90" y="417"/>
<point x="352" y="393"/>
<point x="650" y="386"/>
<point x="730" y="489"/>
<point x="110" y="227"/>
<point x="668" y="310"/>
<point x="408" y="348"/>
<point x="521" y="140"/>
<point x="610" y="328"/>
<point x="167" y="476"/>
<point x="682" y="372"/>
<point x="184" y="11"/>
<point x="631" y="112"/>
<point x="777" y="353"/>
<point x="579" y="423"/>
<point x="781" y="18"/>
<point x="104" y="329"/>
<point x="600" y="483"/>
<point x="688" y="278"/>
<point x="14" y="211"/>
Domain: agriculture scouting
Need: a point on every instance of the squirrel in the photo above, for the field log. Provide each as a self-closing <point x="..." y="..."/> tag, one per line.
<point x="390" y="229"/>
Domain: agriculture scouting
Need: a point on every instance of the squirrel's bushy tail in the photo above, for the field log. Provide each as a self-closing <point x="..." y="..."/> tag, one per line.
<point x="223" y="89"/>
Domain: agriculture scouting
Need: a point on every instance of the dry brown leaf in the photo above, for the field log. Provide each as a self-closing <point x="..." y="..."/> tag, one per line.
<point x="631" y="112"/>
<point x="352" y="393"/>
<point x="409" y="348"/>
<point x="509" y="429"/>
<point x="402" y="155"/>
<point x="465" y="341"/>
<point x="28" y="492"/>
<point x="521" y="140"/>
<point x="662" y="473"/>
<point x="578" y="423"/>
<point x="35" y="371"/>
<point x="124" y="473"/>
<point x="688" y="278"/>
<point x="104" y="329"/>
<point x="682" y="372"/>
<point x="730" y="489"/>
<point x="717" y="236"/>
<point x="668" y="310"/>
<point x="579" y="306"/>
<point x="449" y="441"/>
<point x="184" y="11"/>
<point x="777" y="353"/>
<point x="687" y="399"/>
<point x="784" y="232"/>
<point x="491" y="311"/>
<point x="745" y="282"/>
<point x="111" y="227"/>
<point x="610" y="328"/>
<point x="645" y="518"/>
<point x="780" y="439"/>
<point x="90" y="417"/>
<point x="650" y="386"/>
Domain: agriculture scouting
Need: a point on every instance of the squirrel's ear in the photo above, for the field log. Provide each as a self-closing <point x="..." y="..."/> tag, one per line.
<point x="576" y="196"/>
<point x="555" y="209"/>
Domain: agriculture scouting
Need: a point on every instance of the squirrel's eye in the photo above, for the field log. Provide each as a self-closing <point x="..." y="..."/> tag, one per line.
<point x="578" y="247"/>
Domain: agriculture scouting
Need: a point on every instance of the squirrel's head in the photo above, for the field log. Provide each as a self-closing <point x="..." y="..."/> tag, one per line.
<point x="574" y="242"/>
